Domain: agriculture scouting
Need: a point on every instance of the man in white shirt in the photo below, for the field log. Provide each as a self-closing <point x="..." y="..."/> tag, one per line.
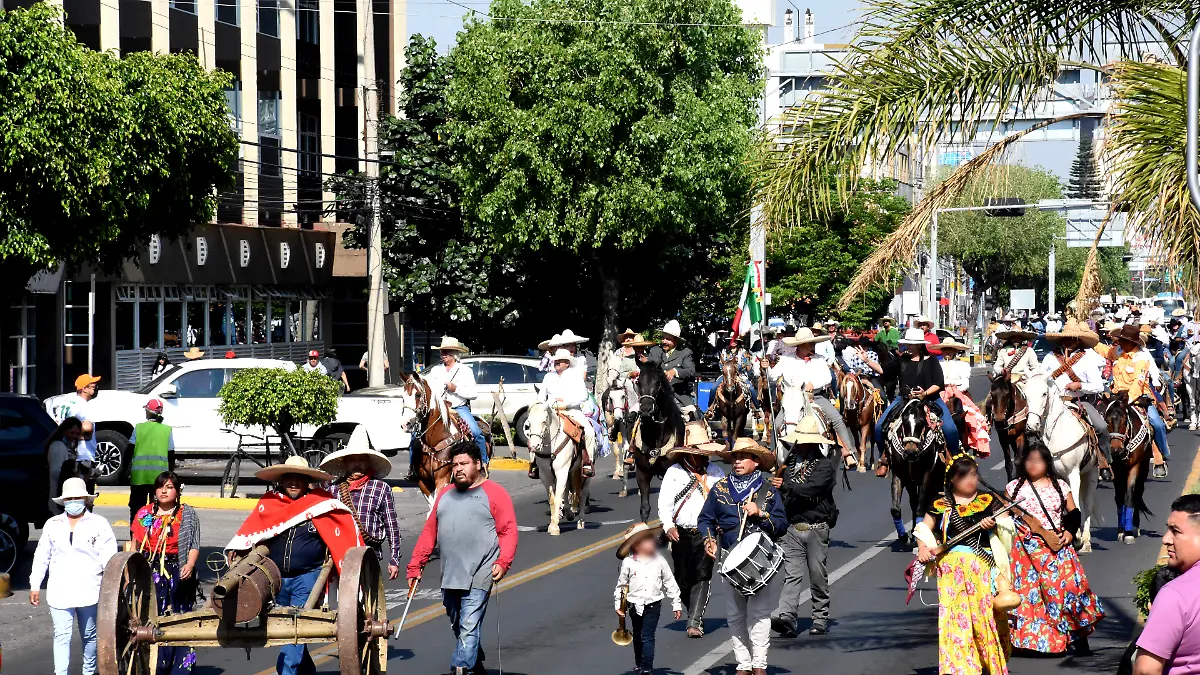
<point x="569" y="341"/>
<point x="1015" y="359"/>
<point x="808" y="372"/>
<point x="76" y="405"/>
<point x="313" y="364"/>
<point x="1077" y="370"/>
<point x="454" y="383"/>
<point x="564" y="391"/>
<point x="684" y="488"/>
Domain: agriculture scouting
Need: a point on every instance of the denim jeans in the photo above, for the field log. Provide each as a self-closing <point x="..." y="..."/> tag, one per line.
<point x="948" y="429"/>
<point x="465" y="609"/>
<point x="644" y="627"/>
<point x="293" y="592"/>
<point x="1160" y="430"/>
<point x="464" y="411"/>
<point x="64" y="620"/>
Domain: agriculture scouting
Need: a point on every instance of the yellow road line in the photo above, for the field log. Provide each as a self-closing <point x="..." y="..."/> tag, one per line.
<point x="1187" y="484"/>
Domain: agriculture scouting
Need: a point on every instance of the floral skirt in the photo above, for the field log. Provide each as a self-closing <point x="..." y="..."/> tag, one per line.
<point x="979" y="433"/>
<point x="175" y="596"/>
<point x="1056" y="599"/>
<point x="969" y="639"/>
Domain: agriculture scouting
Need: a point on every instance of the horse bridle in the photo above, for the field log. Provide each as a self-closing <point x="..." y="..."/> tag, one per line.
<point x="932" y="433"/>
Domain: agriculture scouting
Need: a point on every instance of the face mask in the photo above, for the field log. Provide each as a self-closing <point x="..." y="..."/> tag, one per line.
<point x="75" y="508"/>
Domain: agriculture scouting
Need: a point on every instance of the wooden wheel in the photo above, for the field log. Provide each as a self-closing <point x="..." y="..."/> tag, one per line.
<point x="362" y="627"/>
<point x="127" y="617"/>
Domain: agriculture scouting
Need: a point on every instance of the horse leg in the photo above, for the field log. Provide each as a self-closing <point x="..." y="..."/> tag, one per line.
<point x="897" y="514"/>
<point x="643" y="482"/>
<point x="556" y="504"/>
<point x="1120" y="482"/>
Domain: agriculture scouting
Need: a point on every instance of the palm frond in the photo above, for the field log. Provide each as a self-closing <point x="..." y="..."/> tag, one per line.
<point x="1090" y="283"/>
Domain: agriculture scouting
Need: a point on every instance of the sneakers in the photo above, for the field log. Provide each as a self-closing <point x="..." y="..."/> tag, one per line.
<point x="818" y="628"/>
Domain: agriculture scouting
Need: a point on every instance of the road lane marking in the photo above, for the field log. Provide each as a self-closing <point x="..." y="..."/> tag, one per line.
<point x="718" y="653"/>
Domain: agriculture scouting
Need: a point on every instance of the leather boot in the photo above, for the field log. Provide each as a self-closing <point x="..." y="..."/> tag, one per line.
<point x="588" y="470"/>
<point x="697" y="604"/>
<point x="881" y="467"/>
<point x="533" y="471"/>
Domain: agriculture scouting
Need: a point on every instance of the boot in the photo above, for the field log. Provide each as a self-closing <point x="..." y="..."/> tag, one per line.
<point x="697" y="604"/>
<point x="881" y="467"/>
<point x="848" y="458"/>
<point x="533" y="470"/>
<point x="1159" y="465"/>
<point x="1105" y="469"/>
<point x="588" y="470"/>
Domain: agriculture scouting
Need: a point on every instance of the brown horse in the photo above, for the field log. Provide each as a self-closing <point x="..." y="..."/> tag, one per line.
<point x="1130" y="438"/>
<point x="861" y="411"/>
<point x="1006" y="409"/>
<point x="732" y="402"/>
<point x="431" y="430"/>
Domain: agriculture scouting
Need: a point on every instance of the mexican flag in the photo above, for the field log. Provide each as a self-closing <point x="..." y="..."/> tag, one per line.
<point x="749" y="310"/>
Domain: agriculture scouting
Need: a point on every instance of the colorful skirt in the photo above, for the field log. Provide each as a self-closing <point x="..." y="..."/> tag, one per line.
<point x="175" y="596"/>
<point x="1056" y="600"/>
<point x="979" y="433"/>
<point x="969" y="639"/>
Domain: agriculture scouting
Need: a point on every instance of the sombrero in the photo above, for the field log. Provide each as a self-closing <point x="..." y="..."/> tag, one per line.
<point x="358" y="445"/>
<point x="1015" y="334"/>
<point x="544" y="345"/>
<point x="805" y="336"/>
<point x="696" y="441"/>
<point x="1079" y="331"/>
<point x="567" y="337"/>
<point x="639" y="341"/>
<point x="953" y="344"/>
<point x="808" y="431"/>
<point x="292" y="465"/>
<point x="626" y="336"/>
<point x="1178" y="312"/>
<point x="451" y="344"/>
<point x="636" y="533"/>
<point x="766" y="458"/>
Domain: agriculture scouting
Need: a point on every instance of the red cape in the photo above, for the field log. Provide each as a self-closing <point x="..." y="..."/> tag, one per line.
<point x="276" y="512"/>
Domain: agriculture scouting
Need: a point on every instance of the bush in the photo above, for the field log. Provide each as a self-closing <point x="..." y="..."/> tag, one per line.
<point x="277" y="398"/>
<point x="1141" y="581"/>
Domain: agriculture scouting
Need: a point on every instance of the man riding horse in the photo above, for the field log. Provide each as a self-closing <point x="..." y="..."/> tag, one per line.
<point x="566" y="394"/>
<point x="1015" y="360"/>
<point x="677" y="362"/>
<point x="1076" y="369"/>
<point x="747" y="370"/>
<point x="1135" y="375"/>
<point x="453" y="384"/>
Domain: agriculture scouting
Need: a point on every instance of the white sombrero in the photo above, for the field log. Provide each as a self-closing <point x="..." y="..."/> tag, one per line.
<point x="805" y="336"/>
<point x="567" y="337"/>
<point x="913" y="336"/>
<point x="358" y="445"/>
<point x="292" y="465"/>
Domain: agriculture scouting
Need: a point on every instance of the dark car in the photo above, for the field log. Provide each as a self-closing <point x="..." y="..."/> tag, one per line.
<point x="24" y="473"/>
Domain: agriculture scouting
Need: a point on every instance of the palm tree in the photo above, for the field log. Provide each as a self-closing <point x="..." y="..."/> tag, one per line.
<point x="923" y="72"/>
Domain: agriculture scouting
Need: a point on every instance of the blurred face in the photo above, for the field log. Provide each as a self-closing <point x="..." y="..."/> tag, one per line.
<point x="669" y="342"/>
<point x="466" y="471"/>
<point x="312" y="360"/>
<point x="167" y="495"/>
<point x="1069" y="344"/>
<point x="1035" y="466"/>
<point x="1182" y="540"/>
<point x="561" y="367"/>
<point x="646" y="547"/>
<point x="448" y="356"/>
<point x="88" y="391"/>
<point x="744" y="463"/>
<point x="356" y="466"/>
<point x="909" y="351"/>
<point x="968" y="484"/>
<point x="294" y="485"/>
<point x="805" y="349"/>
<point x="72" y="435"/>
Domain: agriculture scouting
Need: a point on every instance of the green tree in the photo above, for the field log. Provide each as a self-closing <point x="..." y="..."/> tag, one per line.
<point x="99" y="153"/>
<point x="600" y="127"/>
<point x="1084" y="178"/>
<point x="277" y="398"/>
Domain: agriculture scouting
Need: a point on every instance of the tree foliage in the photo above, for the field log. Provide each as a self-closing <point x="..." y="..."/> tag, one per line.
<point x="99" y="153"/>
<point x="278" y="398"/>
<point x="1084" y="182"/>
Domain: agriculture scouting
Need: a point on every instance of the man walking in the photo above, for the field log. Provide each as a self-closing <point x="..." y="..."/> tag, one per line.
<point x="474" y="527"/>
<point x="1170" y="643"/>
<point x="153" y="453"/>
<point x="809" y="476"/>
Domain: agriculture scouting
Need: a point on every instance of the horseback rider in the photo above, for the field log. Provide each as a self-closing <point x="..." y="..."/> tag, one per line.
<point x="920" y="377"/>
<point x="956" y="375"/>
<point x="889" y="335"/>
<point x="453" y="383"/>
<point x="928" y="334"/>
<point x="678" y="364"/>
<point x="1015" y="359"/>
<point x="808" y="372"/>
<point x="1075" y="368"/>
<point x="748" y="371"/>
<point x="565" y="393"/>
<point x="1135" y="374"/>
<point x="569" y="341"/>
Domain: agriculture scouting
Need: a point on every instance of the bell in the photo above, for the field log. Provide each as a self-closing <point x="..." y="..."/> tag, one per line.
<point x="622" y="637"/>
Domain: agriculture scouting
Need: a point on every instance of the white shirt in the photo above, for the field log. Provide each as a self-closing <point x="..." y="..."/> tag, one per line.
<point x="649" y="580"/>
<point x="1087" y="369"/>
<point x="673" y="482"/>
<point x="567" y="388"/>
<point x="462" y="377"/>
<point x="74" y="405"/>
<point x="75" y="560"/>
<point x="1028" y="365"/>
<point x="826" y="351"/>
<point x="319" y="368"/>
<point x="794" y="371"/>
<point x="957" y="373"/>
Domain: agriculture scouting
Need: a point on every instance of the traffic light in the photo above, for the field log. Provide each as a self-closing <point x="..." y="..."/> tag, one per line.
<point x="1013" y="207"/>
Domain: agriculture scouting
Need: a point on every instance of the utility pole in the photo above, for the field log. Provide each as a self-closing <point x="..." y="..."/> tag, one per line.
<point x="375" y="297"/>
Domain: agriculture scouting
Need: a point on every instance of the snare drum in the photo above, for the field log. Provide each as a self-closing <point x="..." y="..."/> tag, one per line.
<point x="750" y="564"/>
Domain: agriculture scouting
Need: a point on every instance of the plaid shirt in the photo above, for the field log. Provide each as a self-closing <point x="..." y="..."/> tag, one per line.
<point x="856" y="363"/>
<point x="377" y="515"/>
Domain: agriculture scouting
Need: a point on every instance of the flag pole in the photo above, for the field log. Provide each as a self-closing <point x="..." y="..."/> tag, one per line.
<point x="758" y="263"/>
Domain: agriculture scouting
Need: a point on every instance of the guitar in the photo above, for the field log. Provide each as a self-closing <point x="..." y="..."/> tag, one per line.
<point x="1051" y="538"/>
<point x="917" y="570"/>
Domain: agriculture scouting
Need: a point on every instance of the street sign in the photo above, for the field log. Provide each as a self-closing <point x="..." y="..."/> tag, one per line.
<point x="1021" y="298"/>
<point x="912" y="303"/>
<point x="1082" y="225"/>
<point x="956" y="157"/>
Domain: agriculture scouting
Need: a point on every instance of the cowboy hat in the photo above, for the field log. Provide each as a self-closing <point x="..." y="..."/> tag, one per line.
<point x="672" y="328"/>
<point x="923" y="319"/>
<point x="358" y="445"/>
<point x="292" y="465"/>
<point x="1015" y="334"/>
<point x="696" y="441"/>
<point x="1129" y="333"/>
<point x="1079" y="331"/>
<point x="818" y="328"/>
<point x="193" y="354"/>
<point x="1111" y="327"/>
<point x="74" y="488"/>
<point x="1009" y="318"/>
<point x="626" y="336"/>
<point x="635" y="533"/>
<point x="832" y="322"/>
<point x="1178" y="312"/>
<point x="806" y="432"/>
<point x="953" y="344"/>
<point x="805" y="336"/>
<point x="544" y="345"/>
<point x="766" y="458"/>
<point x="451" y="344"/>
<point x="561" y="354"/>
<point x="913" y="336"/>
<point x="639" y="341"/>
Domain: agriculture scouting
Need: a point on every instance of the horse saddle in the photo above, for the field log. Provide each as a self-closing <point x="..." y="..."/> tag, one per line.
<point x="571" y="428"/>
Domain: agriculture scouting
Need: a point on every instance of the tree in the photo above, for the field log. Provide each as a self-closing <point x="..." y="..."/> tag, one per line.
<point x="278" y="398"/>
<point x="608" y="128"/>
<point x="107" y="151"/>
<point x="1085" y="179"/>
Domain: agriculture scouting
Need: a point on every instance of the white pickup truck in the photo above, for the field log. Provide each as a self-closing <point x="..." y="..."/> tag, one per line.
<point x="189" y="394"/>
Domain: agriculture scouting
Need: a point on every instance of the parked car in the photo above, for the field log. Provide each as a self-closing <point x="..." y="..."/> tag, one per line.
<point x="189" y="393"/>
<point x="24" y="472"/>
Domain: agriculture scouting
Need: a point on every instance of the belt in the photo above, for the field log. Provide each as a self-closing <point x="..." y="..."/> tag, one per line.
<point x="805" y="527"/>
<point x="689" y="530"/>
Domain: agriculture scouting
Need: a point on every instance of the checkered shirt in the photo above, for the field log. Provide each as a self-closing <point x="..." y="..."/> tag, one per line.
<point x="377" y="515"/>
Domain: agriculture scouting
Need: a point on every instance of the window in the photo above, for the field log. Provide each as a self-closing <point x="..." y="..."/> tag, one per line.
<point x="533" y="375"/>
<point x="309" y="139"/>
<point x="233" y="99"/>
<point x="268" y="113"/>
<point x="200" y="383"/>
<point x="14" y="426"/>
<point x="188" y="6"/>
<point x="308" y="22"/>
<point x="22" y="355"/>
<point x="229" y="12"/>
<point x="493" y="371"/>
<point x="268" y="17"/>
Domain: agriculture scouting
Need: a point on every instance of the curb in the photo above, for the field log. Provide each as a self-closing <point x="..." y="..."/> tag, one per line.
<point x="226" y="504"/>
<point x="508" y="464"/>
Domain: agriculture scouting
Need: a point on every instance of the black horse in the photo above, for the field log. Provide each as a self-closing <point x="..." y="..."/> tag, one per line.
<point x="1130" y="439"/>
<point x="660" y="428"/>
<point x="915" y="455"/>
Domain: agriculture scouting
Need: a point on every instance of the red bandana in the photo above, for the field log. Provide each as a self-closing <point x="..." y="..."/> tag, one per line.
<point x="358" y="484"/>
<point x="276" y="512"/>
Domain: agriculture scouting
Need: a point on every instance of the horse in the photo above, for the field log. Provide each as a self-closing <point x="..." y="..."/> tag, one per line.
<point x="435" y="428"/>
<point x="861" y="409"/>
<point x="1131" y="436"/>
<point x="620" y="415"/>
<point x="916" y="450"/>
<point x="1071" y="441"/>
<point x="1007" y="411"/>
<point x="660" y="428"/>
<point x="560" y="465"/>
<point x="732" y="402"/>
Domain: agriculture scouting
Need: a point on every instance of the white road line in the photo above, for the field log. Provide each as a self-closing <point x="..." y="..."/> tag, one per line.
<point x="701" y="666"/>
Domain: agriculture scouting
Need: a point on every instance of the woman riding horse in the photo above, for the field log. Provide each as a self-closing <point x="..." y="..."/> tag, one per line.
<point x="957" y="376"/>
<point x="1076" y="369"/>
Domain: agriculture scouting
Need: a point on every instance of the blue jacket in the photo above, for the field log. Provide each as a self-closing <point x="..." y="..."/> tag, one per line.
<point x="722" y="515"/>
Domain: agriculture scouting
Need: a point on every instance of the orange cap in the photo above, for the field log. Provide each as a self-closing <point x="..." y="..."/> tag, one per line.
<point x="85" y="380"/>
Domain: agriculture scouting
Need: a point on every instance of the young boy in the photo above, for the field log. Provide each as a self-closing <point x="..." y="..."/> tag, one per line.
<point x="645" y="579"/>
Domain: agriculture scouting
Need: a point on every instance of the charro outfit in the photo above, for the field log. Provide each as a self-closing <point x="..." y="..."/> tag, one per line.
<point x="808" y="481"/>
<point x="567" y="394"/>
<point x="647" y="581"/>
<point x="957" y="377"/>
<point x="1082" y="366"/>
<point x="459" y="400"/>
<point x="793" y="373"/>
<point x="680" y="499"/>
<point x="1017" y="360"/>
<point x="375" y="513"/>
<point x="166" y="540"/>
<point x="1135" y="374"/>
<point x="680" y="360"/>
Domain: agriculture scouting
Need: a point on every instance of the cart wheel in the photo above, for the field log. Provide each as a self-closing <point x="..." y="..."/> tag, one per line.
<point x="362" y="629"/>
<point x="128" y="611"/>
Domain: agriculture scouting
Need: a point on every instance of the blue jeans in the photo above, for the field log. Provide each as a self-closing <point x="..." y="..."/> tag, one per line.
<point x="948" y="429"/>
<point x="293" y="592"/>
<point x="465" y="609"/>
<point x="464" y="412"/>
<point x="1160" y="430"/>
<point x="644" y="627"/>
<point x="64" y="620"/>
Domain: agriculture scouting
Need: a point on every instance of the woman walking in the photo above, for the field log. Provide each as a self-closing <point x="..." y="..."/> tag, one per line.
<point x="1057" y="604"/>
<point x="60" y="456"/>
<point x="74" y="548"/>
<point x="167" y="532"/>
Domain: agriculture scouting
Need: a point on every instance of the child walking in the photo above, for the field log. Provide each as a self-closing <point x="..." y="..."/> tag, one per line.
<point x="645" y="579"/>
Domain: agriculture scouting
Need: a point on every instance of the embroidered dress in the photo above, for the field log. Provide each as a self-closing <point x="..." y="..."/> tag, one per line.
<point x="158" y="538"/>
<point x="1056" y="599"/>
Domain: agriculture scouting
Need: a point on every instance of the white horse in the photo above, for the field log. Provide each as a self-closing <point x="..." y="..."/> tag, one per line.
<point x="620" y="404"/>
<point x="1066" y="436"/>
<point x="560" y="465"/>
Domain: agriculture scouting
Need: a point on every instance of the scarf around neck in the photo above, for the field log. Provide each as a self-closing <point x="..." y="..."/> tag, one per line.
<point x="743" y="486"/>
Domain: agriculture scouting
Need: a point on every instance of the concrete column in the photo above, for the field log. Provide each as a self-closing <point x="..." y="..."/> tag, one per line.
<point x="398" y="22"/>
<point x="328" y="93"/>
<point x="110" y="26"/>
<point x="288" y="121"/>
<point x="206" y="19"/>
<point x="160" y="27"/>
<point x="249" y="33"/>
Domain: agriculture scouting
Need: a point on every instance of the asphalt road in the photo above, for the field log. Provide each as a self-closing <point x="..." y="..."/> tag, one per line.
<point x="553" y="614"/>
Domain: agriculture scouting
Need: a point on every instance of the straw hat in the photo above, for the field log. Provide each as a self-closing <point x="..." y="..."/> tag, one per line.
<point x="1015" y="334"/>
<point x="923" y="319"/>
<point x="74" y="488"/>
<point x="636" y="533"/>
<point x="696" y="441"/>
<point x="766" y="458"/>
<point x="358" y="445"/>
<point x="806" y="432"/>
<point x="672" y="328"/>
<point x="1079" y="331"/>
<point x="913" y="336"/>
<point x="953" y="344"/>
<point x="626" y="336"/>
<point x="1111" y="327"/>
<point x="451" y="344"/>
<point x="193" y="354"/>
<point x="805" y="336"/>
<point x="818" y="328"/>
<point x="292" y="465"/>
<point x="639" y="340"/>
